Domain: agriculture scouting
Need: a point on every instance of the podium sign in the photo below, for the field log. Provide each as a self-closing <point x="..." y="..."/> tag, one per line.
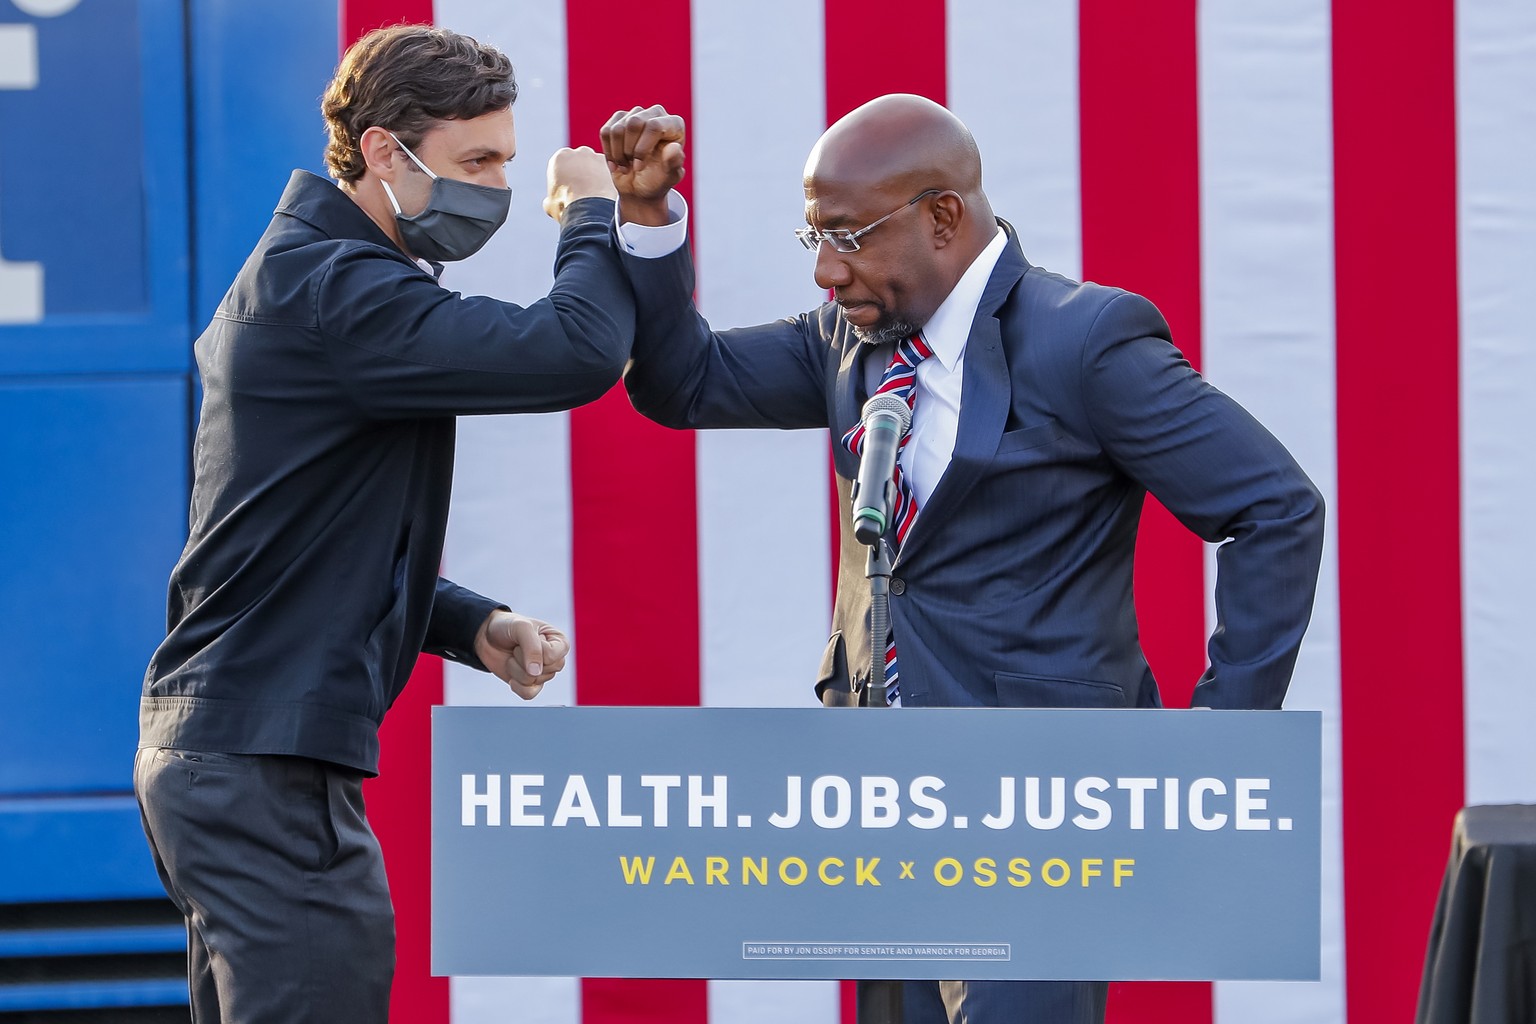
<point x="920" y="843"/>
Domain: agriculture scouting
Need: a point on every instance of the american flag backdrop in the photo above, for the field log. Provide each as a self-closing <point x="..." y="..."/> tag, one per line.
<point x="1335" y="207"/>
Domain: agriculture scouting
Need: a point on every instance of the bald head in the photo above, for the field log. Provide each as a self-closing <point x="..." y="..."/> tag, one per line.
<point x="900" y="178"/>
<point x="899" y="144"/>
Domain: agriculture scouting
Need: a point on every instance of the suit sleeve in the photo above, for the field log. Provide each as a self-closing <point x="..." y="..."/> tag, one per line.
<point x="1228" y="480"/>
<point x="403" y="346"/>
<point x="457" y="613"/>
<point x="685" y="375"/>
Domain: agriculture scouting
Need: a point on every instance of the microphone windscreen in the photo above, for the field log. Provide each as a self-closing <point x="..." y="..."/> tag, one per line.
<point x="890" y="403"/>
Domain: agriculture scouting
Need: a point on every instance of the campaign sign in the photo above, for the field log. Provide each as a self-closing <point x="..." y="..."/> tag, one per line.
<point x="916" y="843"/>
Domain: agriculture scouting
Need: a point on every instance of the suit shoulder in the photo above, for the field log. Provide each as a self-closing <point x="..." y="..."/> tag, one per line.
<point x="1064" y="294"/>
<point x="1087" y="308"/>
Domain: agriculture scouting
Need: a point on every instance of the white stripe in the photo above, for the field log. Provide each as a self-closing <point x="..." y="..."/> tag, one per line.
<point x="509" y="537"/>
<point x="1012" y="78"/>
<point x="509" y="534"/>
<point x="524" y="1000"/>
<point x="764" y="605"/>
<point x="1268" y="340"/>
<point x="1496" y="215"/>
<point x="773" y="1002"/>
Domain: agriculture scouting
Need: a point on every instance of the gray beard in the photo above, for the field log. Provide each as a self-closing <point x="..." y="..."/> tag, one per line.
<point x="890" y="331"/>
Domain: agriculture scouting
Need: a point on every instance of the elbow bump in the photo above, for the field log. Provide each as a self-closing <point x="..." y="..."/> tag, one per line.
<point x="661" y="415"/>
<point x="659" y="411"/>
<point x="598" y="380"/>
<point x="1313" y="506"/>
<point x="600" y="348"/>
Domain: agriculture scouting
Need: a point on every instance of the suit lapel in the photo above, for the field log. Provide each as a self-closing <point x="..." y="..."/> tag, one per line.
<point x="984" y="399"/>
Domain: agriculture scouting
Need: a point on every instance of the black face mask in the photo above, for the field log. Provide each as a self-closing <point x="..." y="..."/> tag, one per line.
<point x="459" y="218"/>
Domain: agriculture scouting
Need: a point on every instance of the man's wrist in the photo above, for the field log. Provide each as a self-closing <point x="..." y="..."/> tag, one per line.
<point x="652" y="213"/>
<point x="559" y="202"/>
<point x="653" y="241"/>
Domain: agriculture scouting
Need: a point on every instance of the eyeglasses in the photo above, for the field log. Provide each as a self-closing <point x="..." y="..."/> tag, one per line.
<point x="844" y="240"/>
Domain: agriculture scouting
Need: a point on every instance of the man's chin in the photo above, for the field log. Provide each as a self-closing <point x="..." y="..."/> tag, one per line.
<point x="886" y="331"/>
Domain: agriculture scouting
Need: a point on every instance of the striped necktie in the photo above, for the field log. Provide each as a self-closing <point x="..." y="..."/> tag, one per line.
<point x="899" y="379"/>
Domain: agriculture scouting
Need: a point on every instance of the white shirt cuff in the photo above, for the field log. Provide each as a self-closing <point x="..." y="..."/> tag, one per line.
<point x="652" y="243"/>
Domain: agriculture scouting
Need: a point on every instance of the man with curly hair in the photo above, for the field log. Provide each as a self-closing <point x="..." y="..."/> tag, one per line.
<point x="332" y="373"/>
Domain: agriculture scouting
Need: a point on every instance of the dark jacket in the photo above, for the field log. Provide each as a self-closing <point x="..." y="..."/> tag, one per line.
<point x="332" y="373"/>
<point x="1014" y="586"/>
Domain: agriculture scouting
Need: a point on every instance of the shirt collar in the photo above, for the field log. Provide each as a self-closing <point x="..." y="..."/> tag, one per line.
<point x="950" y="326"/>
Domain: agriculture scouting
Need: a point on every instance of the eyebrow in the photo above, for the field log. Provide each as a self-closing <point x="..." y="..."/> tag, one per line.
<point x="483" y="152"/>
<point x="832" y="223"/>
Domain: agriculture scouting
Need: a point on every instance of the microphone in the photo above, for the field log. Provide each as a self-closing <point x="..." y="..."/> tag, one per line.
<point x="886" y="419"/>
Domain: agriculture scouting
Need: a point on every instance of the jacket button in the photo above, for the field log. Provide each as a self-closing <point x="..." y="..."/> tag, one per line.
<point x="898" y="586"/>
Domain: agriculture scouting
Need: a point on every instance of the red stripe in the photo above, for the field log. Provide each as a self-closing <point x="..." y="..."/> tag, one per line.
<point x="1394" y="143"/>
<point x="400" y="799"/>
<point x="359" y="17"/>
<point x="636" y="605"/>
<point x="400" y="810"/>
<point x="874" y="47"/>
<point x="1141" y="231"/>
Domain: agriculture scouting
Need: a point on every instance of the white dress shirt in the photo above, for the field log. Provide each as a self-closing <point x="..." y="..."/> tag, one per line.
<point x="936" y="407"/>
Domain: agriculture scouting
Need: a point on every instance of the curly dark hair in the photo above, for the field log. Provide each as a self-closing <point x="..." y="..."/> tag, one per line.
<point x="405" y="78"/>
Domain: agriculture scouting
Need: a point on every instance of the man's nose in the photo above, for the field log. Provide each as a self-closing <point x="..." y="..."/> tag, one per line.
<point x="831" y="267"/>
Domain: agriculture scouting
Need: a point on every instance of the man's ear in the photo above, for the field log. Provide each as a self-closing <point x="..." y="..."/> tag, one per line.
<point x="380" y="153"/>
<point x="948" y="212"/>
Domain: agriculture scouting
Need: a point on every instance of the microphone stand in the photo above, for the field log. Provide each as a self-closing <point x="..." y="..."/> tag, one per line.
<point x="877" y="569"/>
<point x="879" y="1001"/>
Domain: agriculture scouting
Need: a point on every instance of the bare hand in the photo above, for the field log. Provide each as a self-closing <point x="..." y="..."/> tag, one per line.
<point x="576" y="174"/>
<point x="644" y="147"/>
<point x="524" y="653"/>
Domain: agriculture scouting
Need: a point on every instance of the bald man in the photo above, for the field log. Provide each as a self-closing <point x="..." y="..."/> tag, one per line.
<point x="1044" y="411"/>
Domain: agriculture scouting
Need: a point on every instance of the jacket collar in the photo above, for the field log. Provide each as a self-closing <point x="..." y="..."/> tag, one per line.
<point x="322" y="205"/>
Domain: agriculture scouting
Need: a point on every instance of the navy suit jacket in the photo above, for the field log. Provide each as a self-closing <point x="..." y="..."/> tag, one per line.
<point x="1013" y="587"/>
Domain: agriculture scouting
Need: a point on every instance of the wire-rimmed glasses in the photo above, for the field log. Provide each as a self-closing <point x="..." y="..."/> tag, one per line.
<point x="845" y="240"/>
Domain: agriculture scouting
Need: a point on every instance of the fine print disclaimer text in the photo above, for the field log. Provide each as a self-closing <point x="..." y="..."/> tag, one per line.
<point x="876" y="951"/>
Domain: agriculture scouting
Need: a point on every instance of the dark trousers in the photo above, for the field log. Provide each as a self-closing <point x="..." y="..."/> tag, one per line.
<point x="1004" y="1002"/>
<point x="281" y="881"/>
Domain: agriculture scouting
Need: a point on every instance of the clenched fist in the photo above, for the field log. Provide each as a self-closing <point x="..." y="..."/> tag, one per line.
<point x="524" y="653"/>
<point x="576" y="174"/>
<point x="644" y="148"/>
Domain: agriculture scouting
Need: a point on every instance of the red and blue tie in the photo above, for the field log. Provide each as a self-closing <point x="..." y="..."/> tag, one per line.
<point x="899" y="379"/>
